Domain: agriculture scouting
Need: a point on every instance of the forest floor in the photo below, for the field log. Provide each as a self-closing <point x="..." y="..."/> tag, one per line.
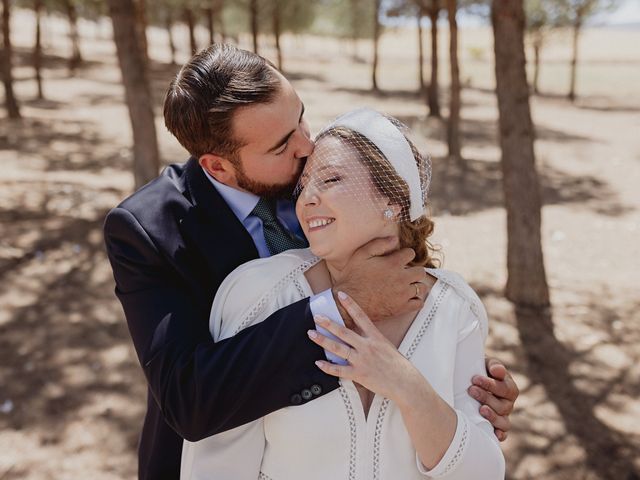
<point x="72" y="395"/>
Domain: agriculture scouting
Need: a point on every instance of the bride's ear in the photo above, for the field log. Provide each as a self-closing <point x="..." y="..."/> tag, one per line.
<point x="391" y="211"/>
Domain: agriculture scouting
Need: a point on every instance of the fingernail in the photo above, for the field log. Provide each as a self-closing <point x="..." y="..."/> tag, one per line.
<point x="320" y="319"/>
<point x="319" y="363"/>
<point x="474" y="392"/>
<point x="342" y="296"/>
<point x="312" y="333"/>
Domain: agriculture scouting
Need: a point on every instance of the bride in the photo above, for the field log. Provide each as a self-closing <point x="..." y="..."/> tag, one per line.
<point x="402" y="410"/>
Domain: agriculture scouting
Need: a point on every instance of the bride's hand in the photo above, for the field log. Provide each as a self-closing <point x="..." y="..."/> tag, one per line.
<point x="374" y="362"/>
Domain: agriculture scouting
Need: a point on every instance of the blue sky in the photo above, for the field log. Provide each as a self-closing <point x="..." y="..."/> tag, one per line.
<point x="627" y="13"/>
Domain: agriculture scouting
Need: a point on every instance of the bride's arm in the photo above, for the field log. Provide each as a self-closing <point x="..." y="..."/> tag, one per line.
<point x="472" y="450"/>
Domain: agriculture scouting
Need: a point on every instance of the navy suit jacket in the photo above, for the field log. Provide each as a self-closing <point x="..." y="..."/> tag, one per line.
<point x="170" y="245"/>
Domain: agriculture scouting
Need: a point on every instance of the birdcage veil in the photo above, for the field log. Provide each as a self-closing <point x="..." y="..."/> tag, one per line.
<point x="395" y="171"/>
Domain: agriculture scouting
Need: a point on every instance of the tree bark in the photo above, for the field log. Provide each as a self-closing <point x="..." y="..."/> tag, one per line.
<point x="253" y="18"/>
<point x="169" y="26"/>
<point x="527" y="281"/>
<point x="355" y="29"/>
<point x="13" y="110"/>
<point x="37" y="50"/>
<point x="276" y="31"/>
<point x="210" y="24"/>
<point x="453" y="125"/>
<point x="537" y="45"/>
<point x="146" y="159"/>
<point x="376" y="38"/>
<point x="433" y="91"/>
<point x="577" y="26"/>
<point x="219" y="9"/>
<point x="188" y="18"/>
<point x="141" y="24"/>
<point x="76" y="55"/>
<point x="419" y="17"/>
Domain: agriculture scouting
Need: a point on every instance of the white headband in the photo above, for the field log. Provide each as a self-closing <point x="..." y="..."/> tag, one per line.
<point x="394" y="146"/>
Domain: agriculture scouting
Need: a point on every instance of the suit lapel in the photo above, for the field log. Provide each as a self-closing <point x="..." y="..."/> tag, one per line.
<point x="213" y="228"/>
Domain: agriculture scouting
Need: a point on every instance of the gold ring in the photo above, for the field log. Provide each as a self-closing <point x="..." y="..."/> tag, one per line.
<point x="348" y="354"/>
<point x="417" y="291"/>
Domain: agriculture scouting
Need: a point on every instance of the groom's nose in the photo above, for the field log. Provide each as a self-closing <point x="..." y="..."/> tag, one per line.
<point x="304" y="145"/>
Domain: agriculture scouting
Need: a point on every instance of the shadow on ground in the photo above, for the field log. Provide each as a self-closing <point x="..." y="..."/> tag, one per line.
<point x="576" y="381"/>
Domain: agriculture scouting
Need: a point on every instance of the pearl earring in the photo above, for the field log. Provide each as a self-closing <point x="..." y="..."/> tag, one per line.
<point x="388" y="214"/>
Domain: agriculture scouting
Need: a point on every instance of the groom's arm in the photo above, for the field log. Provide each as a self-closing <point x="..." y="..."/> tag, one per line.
<point x="204" y="387"/>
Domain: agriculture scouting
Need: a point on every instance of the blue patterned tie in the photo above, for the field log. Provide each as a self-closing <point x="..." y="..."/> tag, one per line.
<point x="277" y="237"/>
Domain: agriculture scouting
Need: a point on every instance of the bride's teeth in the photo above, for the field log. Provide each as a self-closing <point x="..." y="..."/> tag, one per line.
<point x="320" y="222"/>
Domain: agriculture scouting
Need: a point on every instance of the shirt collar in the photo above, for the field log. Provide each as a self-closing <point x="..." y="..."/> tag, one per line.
<point x="241" y="203"/>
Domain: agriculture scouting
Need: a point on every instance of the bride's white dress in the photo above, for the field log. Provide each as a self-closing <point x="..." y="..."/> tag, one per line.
<point x="329" y="438"/>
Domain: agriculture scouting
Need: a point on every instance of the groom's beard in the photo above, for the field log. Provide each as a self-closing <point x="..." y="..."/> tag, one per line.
<point x="265" y="190"/>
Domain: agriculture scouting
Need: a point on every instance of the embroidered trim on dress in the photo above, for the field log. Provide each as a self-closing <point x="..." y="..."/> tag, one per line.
<point x="262" y="476"/>
<point x="271" y="293"/>
<point x="427" y="321"/>
<point x="352" y="432"/>
<point x="377" y="437"/>
<point x="462" y="446"/>
<point x="465" y="291"/>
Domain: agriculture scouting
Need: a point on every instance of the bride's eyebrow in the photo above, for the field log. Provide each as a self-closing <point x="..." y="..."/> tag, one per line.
<point x="315" y="171"/>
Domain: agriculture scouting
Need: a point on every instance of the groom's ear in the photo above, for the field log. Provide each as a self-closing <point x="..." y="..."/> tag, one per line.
<point x="219" y="168"/>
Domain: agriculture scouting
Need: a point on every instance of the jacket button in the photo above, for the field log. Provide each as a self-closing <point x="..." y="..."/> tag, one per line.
<point x="296" y="399"/>
<point x="306" y="394"/>
<point x="316" y="389"/>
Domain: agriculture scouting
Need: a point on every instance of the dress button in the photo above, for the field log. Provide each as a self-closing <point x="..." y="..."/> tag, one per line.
<point x="316" y="389"/>
<point x="296" y="399"/>
<point x="306" y="394"/>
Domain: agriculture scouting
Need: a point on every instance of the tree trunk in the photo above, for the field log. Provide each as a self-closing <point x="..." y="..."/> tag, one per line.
<point x="376" y="38"/>
<point x="210" y="24"/>
<point x="253" y="18"/>
<point x="420" y="52"/>
<point x="141" y="24"/>
<point x="574" y="59"/>
<point x="453" y="125"/>
<point x="146" y="159"/>
<point x="355" y="29"/>
<point x="434" y="89"/>
<point x="169" y="26"/>
<point x="537" y="45"/>
<point x="7" y="78"/>
<point x="219" y="8"/>
<point x="188" y="18"/>
<point x="276" y="31"/>
<point x="527" y="281"/>
<point x="76" y="56"/>
<point x="37" y="50"/>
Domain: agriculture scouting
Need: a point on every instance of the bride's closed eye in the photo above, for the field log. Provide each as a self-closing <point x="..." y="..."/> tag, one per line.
<point x="332" y="180"/>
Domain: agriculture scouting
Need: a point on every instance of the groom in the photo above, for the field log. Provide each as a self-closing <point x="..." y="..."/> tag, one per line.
<point x="173" y="242"/>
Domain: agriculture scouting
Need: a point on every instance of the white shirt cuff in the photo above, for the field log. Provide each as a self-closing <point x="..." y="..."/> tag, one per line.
<point x="324" y="304"/>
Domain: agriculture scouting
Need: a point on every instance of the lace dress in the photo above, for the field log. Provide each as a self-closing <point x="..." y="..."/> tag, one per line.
<point x="330" y="437"/>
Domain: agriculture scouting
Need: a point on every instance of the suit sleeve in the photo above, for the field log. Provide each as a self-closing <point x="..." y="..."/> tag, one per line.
<point x="204" y="387"/>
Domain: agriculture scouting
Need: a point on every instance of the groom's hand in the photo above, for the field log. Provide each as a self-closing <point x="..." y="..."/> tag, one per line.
<point x="378" y="278"/>
<point x="497" y="393"/>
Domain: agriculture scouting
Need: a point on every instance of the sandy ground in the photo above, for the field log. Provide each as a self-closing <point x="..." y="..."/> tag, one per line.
<point x="71" y="393"/>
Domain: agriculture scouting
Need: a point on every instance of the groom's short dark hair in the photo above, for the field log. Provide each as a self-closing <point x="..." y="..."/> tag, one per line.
<point x="201" y="100"/>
